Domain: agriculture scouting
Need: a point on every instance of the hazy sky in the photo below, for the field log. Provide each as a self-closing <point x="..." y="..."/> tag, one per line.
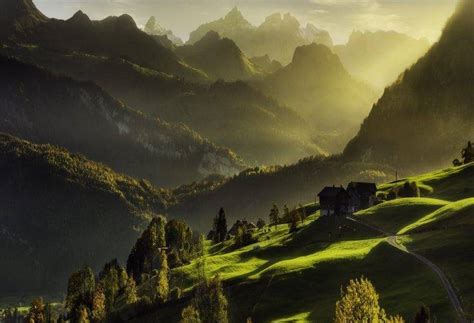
<point x="419" y="18"/>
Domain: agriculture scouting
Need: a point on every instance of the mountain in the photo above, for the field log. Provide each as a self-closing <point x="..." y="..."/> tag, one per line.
<point x="219" y="57"/>
<point x="111" y="37"/>
<point x="266" y="64"/>
<point x="318" y="87"/>
<point x="233" y="115"/>
<point x="60" y="211"/>
<point x="153" y="28"/>
<point x="380" y="57"/>
<point x="425" y="118"/>
<point x="46" y="108"/>
<point x="277" y="36"/>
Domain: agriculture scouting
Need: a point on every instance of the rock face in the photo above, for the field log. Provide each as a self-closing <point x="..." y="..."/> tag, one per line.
<point x="380" y="57"/>
<point x="61" y="211"/>
<point x="153" y="28"/>
<point x="426" y="117"/>
<point x="317" y="85"/>
<point x="219" y="58"/>
<point x="277" y="36"/>
<point x="39" y="106"/>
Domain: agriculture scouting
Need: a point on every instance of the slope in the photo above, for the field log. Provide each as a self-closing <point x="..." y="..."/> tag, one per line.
<point x="219" y="57"/>
<point x="317" y="85"/>
<point x="46" y="108"/>
<point x="60" y="210"/>
<point x="429" y="107"/>
<point x="111" y="37"/>
<point x="380" y="57"/>
<point x="233" y="115"/>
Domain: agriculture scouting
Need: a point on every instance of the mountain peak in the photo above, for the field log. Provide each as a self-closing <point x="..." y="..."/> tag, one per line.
<point x="210" y="37"/>
<point x="18" y="15"/>
<point x="80" y="18"/>
<point x="234" y="14"/>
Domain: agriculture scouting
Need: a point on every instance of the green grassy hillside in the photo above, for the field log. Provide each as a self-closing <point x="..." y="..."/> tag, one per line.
<point x="297" y="277"/>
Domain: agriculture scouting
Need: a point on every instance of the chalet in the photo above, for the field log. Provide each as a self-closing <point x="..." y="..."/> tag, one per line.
<point x="244" y="224"/>
<point x="362" y="195"/>
<point x="334" y="201"/>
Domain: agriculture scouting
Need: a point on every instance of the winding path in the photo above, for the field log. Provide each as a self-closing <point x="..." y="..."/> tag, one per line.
<point x="453" y="297"/>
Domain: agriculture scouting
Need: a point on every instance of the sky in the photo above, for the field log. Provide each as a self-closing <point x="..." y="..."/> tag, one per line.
<point x="418" y="18"/>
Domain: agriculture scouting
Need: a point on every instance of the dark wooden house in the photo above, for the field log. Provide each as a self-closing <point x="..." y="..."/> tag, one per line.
<point x="334" y="201"/>
<point x="362" y="195"/>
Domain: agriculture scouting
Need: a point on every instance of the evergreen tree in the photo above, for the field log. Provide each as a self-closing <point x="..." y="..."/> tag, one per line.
<point x="286" y="214"/>
<point x="210" y="301"/>
<point x="110" y="280"/>
<point x="274" y="215"/>
<point x="260" y="223"/>
<point x="220" y="227"/>
<point x="161" y="288"/>
<point x="48" y="314"/>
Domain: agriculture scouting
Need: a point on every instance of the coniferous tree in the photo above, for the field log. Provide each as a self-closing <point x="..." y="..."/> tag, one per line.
<point x="274" y="215"/>
<point x="220" y="227"/>
<point x="210" y="301"/>
<point x="48" y="314"/>
<point x="161" y="288"/>
<point x="260" y="223"/>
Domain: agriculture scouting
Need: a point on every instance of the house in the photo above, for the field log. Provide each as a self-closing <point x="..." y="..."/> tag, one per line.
<point x="362" y="195"/>
<point x="334" y="201"/>
<point x="244" y="224"/>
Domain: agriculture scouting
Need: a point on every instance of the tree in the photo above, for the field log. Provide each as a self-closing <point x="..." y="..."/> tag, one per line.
<point x="295" y="218"/>
<point x="179" y="240"/>
<point x="468" y="153"/>
<point x="423" y="315"/>
<point x="99" y="309"/>
<point x="130" y="291"/>
<point x="210" y="301"/>
<point x="360" y="303"/>
<point x="161" y="284"/>
<point x="48" y="314"/>
<point x="286" y="214"/>
<point x="190" y="315"/>
<point x="144" y="256"/>
<point x="260" y="223"/>
<point x="220" y="227"/>
<point x="80" y="292"/>
<point x="36" y="311"/>
<point x="274" y="215"/>
<point x="409" y="189"/>
<point x="112" y="279"/>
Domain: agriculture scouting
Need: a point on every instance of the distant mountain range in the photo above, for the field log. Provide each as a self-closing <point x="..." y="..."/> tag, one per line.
<point x="79" y="34"/>
<point x="60" y="211"/>
<point x="277" y="36"/>
<point x="426" y="117"/>
<point x="318" y="87"/>
<point x="380" y="57"/>
<point x="220" y="58"/>
<point x="153" y="28"/>
<point x="46" y="108"/>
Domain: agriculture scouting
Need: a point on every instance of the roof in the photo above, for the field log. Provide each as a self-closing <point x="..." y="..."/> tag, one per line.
<point x="331" y="191"/>
<point x="362" y="187"/>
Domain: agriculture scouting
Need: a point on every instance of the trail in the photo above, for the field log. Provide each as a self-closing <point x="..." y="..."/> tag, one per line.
<point x="453" y="297"/>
